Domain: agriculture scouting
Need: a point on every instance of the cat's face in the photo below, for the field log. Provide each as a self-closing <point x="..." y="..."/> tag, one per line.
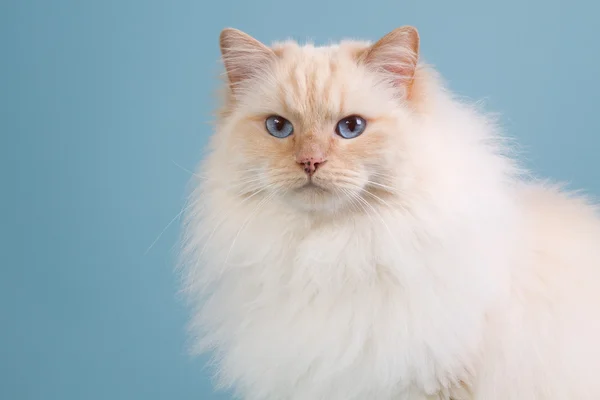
<point x="317" y="127"/>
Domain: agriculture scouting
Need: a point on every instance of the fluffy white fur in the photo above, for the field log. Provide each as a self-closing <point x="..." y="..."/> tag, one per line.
<point x="437" y="272"/>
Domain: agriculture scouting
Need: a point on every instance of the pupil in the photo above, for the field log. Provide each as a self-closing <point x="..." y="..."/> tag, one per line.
<point x="351" y="124"/>
<point x="278" y="124"/>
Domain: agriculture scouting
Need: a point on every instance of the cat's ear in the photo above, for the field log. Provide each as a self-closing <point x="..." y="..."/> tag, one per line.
<point x="395" y="55"/>
<point x="244" y="57"/>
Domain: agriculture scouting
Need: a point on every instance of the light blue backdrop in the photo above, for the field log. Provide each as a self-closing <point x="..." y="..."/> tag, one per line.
<point x="98" y="99"/>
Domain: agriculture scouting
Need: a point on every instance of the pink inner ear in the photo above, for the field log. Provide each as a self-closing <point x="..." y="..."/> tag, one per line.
<point x="244" y="57"/>
<point x="396" y="54"/>
<point x="400" y="68"/>
<point x="402" y="73"/>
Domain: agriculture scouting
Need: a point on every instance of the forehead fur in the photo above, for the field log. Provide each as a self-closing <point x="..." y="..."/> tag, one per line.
<point x="310" y="84"/>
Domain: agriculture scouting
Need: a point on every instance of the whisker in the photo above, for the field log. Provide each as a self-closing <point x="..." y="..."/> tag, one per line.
<point x="377" y="213"/>
<point x="388" y="188"/>
<point x="397" y="204"/>
<point x="183" y="209"/>
<point x="381" y="175"/>
<point x="351" y="196"/>
<point x="245" y="182"/>
<point x="380" y="218"/>
<point x="245" y="223"/>
<point x="257" y="180"/>
<point x="226" y="216"/>
<point x="245" y="171"/>
<point x="376" y="197"/>
<point x="348" y="183"/>
<point x="188" y="171"/>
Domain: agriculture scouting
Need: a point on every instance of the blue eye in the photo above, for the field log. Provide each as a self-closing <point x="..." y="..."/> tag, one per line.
<point x="351" y="127"/>
<point x="279" y="127"/>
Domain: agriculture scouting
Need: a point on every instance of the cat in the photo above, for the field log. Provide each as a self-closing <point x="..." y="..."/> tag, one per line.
<point x="357" y="232"/>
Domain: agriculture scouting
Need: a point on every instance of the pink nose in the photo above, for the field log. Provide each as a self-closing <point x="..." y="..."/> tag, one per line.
<point x="310" y="164"/>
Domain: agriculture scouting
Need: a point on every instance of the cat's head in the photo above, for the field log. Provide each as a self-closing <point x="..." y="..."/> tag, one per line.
<point x="317" y="127"/>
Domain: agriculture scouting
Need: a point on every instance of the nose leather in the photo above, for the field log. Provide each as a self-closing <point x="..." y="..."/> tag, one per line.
<point x="310" y="165"/>
<point x="310" y="155"/>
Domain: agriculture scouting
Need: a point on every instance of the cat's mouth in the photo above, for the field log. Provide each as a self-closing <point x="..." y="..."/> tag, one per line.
<point x="316" y="195"/>
<point x="311" y="185"/>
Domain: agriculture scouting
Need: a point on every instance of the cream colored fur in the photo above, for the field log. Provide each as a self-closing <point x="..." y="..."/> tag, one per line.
<point x="423" y="266"/>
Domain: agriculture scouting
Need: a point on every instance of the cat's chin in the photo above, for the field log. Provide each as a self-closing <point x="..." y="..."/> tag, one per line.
<point x="313" y="197"/>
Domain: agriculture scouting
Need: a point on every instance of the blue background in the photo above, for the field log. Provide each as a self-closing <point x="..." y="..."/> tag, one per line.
<point x="100" y="99"/>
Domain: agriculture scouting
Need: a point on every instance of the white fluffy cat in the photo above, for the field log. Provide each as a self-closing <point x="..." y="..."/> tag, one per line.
<point x="358" y="233"/>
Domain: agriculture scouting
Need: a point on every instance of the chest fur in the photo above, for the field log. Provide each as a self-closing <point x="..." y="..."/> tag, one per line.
<point x="350" y="305"/>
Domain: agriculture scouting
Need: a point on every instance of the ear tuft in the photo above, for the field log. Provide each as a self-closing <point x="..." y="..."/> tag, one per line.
<point x="395" y="55"/>
<point x="244" y="57"/>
